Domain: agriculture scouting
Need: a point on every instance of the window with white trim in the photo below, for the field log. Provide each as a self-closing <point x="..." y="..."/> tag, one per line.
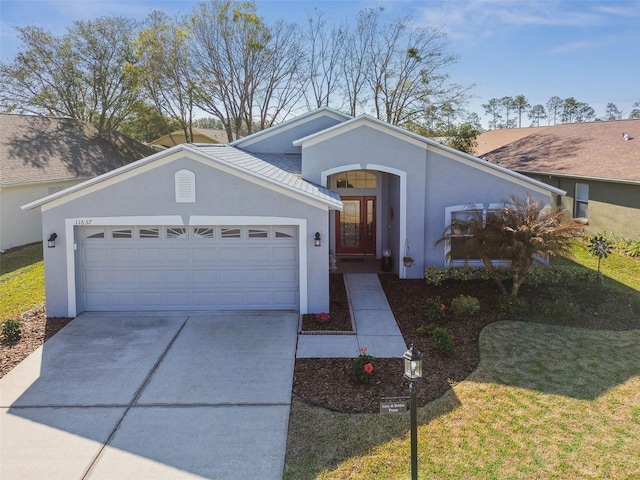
<point x="185" y="186"/>
<point x="456" y="250"/>
<point x="356" y="179"/>
<point x="581" y="204"/>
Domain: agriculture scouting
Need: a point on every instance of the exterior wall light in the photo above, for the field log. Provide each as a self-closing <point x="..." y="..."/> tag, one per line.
<point x="51" y="243"/>
<point x="316" y="240"/>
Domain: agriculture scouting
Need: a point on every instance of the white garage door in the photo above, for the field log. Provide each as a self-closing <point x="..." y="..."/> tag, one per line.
<point x="189" y="268"/>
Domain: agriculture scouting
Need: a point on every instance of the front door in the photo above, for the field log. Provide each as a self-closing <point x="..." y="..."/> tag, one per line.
<point x="356" y="226"/>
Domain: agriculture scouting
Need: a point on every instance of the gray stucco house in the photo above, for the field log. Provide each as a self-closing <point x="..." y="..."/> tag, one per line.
<point x="251" y="225"/>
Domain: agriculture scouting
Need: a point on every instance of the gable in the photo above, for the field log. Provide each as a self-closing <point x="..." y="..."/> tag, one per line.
<point x="233" y="162"/>
<point x="365" y="140"/>
<point x="279" y="138"/>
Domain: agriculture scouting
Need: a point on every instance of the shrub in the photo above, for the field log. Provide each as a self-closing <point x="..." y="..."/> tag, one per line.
<point x="565" y="275"/>
<point x="435" y="275"/>
<point x="442" y="340"/>
<point x="464" y="274"/>
<point x="362" y="368"/>
<point x="441" y="337"/>
<point x="435" y="308"/>
<point x="426" y="329"/>
<point x="465" y="305"/>
<point x="511" y="305"/>
<point x="12" y="329"/>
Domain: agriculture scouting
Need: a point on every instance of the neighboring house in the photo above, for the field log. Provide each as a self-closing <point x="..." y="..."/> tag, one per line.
<point x="593" y="162"/>
<point x="200" y="135"/>
<point x="42" y="155"/>
<point x="250" y="225"/>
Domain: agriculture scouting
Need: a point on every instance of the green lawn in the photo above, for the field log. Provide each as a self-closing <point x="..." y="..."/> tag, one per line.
<point x="21" y="280"/>
<point x="546" y="402"/>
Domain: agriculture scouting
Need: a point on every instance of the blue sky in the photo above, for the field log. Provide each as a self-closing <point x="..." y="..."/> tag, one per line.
<point x="589" y="50"/>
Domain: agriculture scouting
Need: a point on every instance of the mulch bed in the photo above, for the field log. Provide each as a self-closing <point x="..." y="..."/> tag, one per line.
<point x="325" y="382"/>
<point x="339" y="316"/>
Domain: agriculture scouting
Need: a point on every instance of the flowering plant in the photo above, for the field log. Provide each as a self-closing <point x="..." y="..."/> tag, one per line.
<point x="435" y="309"/>
<point x="361" y="368"/>
<point x="323" y="317"/>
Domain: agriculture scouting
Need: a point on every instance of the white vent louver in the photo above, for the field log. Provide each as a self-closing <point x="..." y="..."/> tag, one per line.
<point x="185" y="186"/>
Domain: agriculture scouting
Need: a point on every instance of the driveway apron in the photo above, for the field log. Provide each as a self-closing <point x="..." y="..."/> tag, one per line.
<point x="150" y="397"/>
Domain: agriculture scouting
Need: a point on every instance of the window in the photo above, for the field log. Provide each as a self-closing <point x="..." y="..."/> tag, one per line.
<point x="257" y="232"/>
<point x="122" y="233"/>
<point x="185" y="186"/>
<point x="357" y="179"/>
<point x="231" y="232"/>
<point x="285" y="232"/>
<point x="458" y="245"/>
<point x="176" y="232"/>
<point x="582" y="200"/>
<point x="203" y="232"/>
<point x="149" y="233"/>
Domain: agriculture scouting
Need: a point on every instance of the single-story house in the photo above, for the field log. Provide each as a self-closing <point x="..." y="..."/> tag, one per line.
<point x="43" y="155"/>
<point x="200" y="135"/>
<point x="596" y="163"/>
<point x="251" y="225"/>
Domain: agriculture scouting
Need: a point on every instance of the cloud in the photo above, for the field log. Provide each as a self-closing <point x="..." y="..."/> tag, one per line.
<point x="573" y="46"/>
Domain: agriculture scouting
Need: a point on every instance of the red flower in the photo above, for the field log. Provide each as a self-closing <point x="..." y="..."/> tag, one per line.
<point x="323" y="317"/>
<point x="363" y="350"/>
<point x="443" y="306"/>
<point x="368" y="368"/>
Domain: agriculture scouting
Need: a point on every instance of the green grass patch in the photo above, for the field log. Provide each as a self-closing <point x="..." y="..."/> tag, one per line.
<point x="561" y="404"/>
<point x="547" y="401"/>
<point x="21" y="280"/>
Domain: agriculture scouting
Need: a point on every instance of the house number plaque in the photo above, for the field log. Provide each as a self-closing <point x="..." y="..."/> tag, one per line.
<point x="84" y="221"/>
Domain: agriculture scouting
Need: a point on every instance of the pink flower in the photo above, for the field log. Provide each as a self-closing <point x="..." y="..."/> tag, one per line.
<point x="363" y="351"/>
<point x="368" y="368"/>
<point x="323" y="317"/>
<point x="443" y="306"/>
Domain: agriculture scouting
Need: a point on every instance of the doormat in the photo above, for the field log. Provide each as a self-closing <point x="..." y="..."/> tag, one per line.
<point x="352" y="259"/>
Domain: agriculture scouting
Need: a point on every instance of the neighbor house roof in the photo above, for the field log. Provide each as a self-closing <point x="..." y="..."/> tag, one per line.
<point x="42" y="149"/>
<point x="492" y="139"/>
<point x="201" y="135"/>
<point x="587" y="150"/>
<point x="237" y="160"/>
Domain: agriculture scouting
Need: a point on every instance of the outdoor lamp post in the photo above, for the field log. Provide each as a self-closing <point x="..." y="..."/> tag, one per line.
<point x="413" y="372"/>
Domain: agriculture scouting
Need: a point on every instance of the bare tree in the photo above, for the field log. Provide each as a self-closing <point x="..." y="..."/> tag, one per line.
<point x="326" y="47"/>
<point x="164" y="70"/>
<point x="80" y="74"/>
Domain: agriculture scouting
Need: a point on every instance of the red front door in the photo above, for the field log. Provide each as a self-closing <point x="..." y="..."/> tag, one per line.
<point x="356" y="226"/>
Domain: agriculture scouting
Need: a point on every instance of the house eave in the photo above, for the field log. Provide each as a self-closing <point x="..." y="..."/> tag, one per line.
<point x="579" y="177"/>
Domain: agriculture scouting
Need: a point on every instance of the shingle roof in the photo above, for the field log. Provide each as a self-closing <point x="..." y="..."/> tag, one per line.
<point x="592" y="149"/>
<point x="488" y="141"/>
<point x="38" y="149"/>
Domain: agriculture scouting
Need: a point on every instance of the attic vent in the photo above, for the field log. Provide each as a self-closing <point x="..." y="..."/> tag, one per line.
<point x="185" y="186"/>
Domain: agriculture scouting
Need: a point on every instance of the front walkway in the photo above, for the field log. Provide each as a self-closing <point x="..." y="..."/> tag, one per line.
<point x="376" y="327"/>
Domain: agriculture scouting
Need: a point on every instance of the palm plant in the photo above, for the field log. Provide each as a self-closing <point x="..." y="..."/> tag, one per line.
<point x="517" y="233"/>
<point x="599" y="246"/>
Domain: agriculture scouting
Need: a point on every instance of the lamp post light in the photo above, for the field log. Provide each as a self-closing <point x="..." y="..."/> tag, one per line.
<point x="413" y="372"/>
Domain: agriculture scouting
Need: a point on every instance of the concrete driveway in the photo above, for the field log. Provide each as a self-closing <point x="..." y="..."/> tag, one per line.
<point x="152" y="397"/>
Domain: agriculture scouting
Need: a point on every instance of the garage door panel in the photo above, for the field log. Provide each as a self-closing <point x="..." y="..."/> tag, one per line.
<point x="122" y="255"/>
<point x="178" y="256"/>
<point x="289" y="276"/>
<point x="123" y="277"/>
<point x="183" y="268"/>
<point x="205" y="276"/>
<point x="208" y="255"/>
<point x="147" y="256"/>
<point x="285" y="254"/>
<point x="261" y="276"/>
